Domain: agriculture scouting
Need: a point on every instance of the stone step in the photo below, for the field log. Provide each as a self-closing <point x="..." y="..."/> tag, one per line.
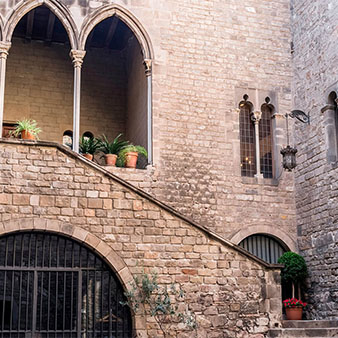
<point x="303" y="332"/>
<point x="309" y="323"/>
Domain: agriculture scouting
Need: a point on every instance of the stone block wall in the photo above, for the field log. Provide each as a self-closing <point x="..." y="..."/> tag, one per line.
<point x="43" y="187"/>
<point x="204" y="52"/>
<point x="315" y="57"/>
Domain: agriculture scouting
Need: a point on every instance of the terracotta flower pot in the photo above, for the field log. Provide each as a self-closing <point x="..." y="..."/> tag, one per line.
<point x="26" y="135"/>
<point x="88" y="156"/>
<point x="110" y="159"/>
<point x="131" y="159"/>
<point x="294" y="313"/>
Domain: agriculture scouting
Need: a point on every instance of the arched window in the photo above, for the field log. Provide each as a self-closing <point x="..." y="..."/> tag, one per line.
<point x="88" y="134"/>
<point x="265" y="141"/>
<point x="52" y="286"/>
<point x="67" y="139"/>
<point x="247" y="139"/>
<point x="265" y="247"/>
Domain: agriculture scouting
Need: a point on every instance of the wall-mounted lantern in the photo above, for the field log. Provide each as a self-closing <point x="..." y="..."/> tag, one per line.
<point x="289" y="153"/>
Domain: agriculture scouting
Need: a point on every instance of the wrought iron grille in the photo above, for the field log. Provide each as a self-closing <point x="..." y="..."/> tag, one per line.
<point x="247" y="141"/>
<point x="265" y="142"/>
<point x="265" y="247"/>
<point x="51" y="286"/>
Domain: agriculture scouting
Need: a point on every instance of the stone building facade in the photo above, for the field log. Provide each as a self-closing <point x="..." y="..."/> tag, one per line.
<point x="190" y="81"/>
<point x="315" y="91"/>
<point x="46" y="188"/>
<point x="204" y="58"/>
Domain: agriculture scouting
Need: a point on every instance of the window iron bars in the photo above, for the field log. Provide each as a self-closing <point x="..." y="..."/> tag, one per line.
<point x="51" y="286"/>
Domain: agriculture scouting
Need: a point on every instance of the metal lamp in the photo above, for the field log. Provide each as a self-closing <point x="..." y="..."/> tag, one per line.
<point x="289" y="157"/>
<point x="289" y="153"/>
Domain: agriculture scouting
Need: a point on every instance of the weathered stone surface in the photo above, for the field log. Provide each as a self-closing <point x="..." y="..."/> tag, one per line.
<point x="219" y="292"/>
<point x="315" y="52"/>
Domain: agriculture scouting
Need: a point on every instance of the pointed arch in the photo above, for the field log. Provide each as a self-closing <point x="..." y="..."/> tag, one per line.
<point x="1" y="27"/>
<point x="56" y="7"/>
<point x="128" y="18"/>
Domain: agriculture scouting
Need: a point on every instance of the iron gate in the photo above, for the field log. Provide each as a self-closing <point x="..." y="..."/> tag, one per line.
<point x="51" y="286"/>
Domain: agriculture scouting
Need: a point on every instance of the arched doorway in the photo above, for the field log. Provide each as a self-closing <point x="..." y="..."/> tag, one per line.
<point x="53" y="286"/>
<point x="265" y="247"/>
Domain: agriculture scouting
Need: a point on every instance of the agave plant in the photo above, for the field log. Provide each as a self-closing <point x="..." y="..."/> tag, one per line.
<point x="89" y="145"/>
<point x="131" y="148"/>
<point x="26" y="125"/>
<point x="113" y="147"/>
<point x="129" y="155"/>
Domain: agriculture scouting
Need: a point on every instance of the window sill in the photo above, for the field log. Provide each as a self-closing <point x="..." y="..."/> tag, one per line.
<point x="260" y="181"/>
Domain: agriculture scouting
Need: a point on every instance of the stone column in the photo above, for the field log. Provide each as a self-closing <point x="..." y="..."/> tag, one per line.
<point x="77" y="57"/>
<point x="256" y="117"/>
<point x="148" y="71"/>
<point x="4" y="48"/>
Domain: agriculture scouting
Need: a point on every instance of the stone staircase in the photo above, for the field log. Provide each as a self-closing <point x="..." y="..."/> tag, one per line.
<point x="306" y="328"/>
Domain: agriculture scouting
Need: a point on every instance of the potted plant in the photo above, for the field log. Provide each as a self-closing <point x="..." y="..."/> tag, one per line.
<point x="294" y="308"/>
<point x="129" y="155"/>
<point x="89" y="146"/>
<point x="111" y="149"/>
<point x="294" y="272"/>
<point x="28" y="129"/>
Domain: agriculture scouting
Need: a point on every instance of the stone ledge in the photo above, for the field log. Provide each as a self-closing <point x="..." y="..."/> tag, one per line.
<point x="141" y="193"/>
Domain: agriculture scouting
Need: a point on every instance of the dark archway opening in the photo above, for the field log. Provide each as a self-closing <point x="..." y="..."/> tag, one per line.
<point x="114" y="84"/>
<point x="53" y="286"/>
<point x="39" y="76"/>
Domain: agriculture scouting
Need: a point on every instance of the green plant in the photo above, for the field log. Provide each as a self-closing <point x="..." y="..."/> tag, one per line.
<point x="27" y="125"/>
<point x="132" y="148"/>
<point x="159" y="302"/>
<point x="89" y="145"/>
<point x="113" y="147"/>
<point x="294" y="270"/>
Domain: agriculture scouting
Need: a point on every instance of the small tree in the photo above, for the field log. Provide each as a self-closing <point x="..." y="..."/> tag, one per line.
<point x="294" y="271"/>
<point x="158" y="302"/>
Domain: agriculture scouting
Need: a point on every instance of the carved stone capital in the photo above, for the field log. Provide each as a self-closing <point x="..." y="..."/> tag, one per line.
<point x="148" y="66"/>
<point x="77" y="57"/>
<point x="4" y="48"/>
<point x="256" y="116"/>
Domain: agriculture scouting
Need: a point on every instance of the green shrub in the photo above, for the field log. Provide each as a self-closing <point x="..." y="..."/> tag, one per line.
<point x="295" y="269"/>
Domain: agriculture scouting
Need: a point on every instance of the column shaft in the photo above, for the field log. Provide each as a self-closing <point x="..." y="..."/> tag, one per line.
<point x="77" y="57"/>
<point x="4" y="48"/>
<point x="256" y="117"/>
<point x="148" y="66"/>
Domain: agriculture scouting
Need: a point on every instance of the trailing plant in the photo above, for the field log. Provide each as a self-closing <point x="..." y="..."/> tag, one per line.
<point x="26" y="125"/>
<point x="89" y="145"/>
<point x="293" y="302"/>
<point x="294" y="270"/>
<point x="158" y="302"/>
<point x="132" y="148"/>
<point x="113" y="147"/>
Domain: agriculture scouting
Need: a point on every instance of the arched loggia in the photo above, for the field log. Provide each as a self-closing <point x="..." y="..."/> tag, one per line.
<point x="116" y="75"/>
<point x="39" y="74"/>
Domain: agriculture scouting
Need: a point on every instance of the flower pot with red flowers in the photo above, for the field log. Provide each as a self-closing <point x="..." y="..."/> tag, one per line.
<point x="111" y="149"/>
<point x="294" y="308"/>
<point x="129" y="155"/>
<point x="27" y="129"/>
<point x="89" y="146"/>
